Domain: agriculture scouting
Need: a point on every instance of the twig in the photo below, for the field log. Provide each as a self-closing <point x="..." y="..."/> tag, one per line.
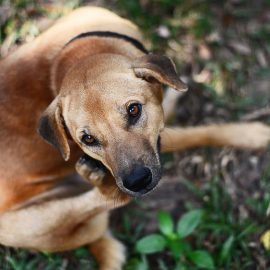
<point x="256" y="114"/>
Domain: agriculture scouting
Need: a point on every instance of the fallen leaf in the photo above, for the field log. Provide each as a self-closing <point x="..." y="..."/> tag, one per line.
<point x="265" y="240"/>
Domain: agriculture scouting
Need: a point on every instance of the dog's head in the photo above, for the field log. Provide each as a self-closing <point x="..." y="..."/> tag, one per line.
<point x="111" y="107"/>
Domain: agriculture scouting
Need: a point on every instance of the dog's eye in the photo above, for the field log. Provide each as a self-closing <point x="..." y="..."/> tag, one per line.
<point x="88" y="139"/>
<point x="134" y="112"/>
<point x="134" y="109"/>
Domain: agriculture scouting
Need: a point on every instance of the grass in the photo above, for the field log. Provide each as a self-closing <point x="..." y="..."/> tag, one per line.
<point x="203" y="38"/>
<point x="217" y="231"/>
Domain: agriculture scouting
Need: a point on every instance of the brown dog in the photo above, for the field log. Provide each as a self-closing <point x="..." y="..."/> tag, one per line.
<point x="89" y="86"/>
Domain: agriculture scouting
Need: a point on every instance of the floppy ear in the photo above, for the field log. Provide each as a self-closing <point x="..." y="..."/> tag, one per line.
<point x="51" y="127"/>
<point x="161" y="68"/>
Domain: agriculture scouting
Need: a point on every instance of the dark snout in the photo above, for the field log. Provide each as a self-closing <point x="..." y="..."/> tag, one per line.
<point x="138" y="180"/>
<point x="141" y="175"/>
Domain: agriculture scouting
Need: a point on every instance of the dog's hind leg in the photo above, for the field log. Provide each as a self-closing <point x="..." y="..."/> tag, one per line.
<point x="109" y="252"/>
<point x="252" y="136"/>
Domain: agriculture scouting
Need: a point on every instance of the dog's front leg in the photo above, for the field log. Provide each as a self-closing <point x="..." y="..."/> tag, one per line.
<point x="251" y="136"/>
<point x="91" y="170"/>
<point x="108" y="251"/>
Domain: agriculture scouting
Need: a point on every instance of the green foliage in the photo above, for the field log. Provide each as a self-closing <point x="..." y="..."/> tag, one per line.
<point x="151" y="244"/>
<point x="201" y="259"/>
<point x="25" y="260"/>
<point x="229" y="235"/>
<point x="165" y="223"/>
<point x="184" y="240"/>
<point x="138" y="264"/>
<point x="176" y="242"/>
<point x="202" y="26"/>
<point x="189" y="222"/>
<point x="226" y="248"/>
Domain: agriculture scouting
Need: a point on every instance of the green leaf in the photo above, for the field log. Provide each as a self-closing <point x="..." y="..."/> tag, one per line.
<point x="143" y="265"/>
<point x="201" y="259"/>
<point x="180" y="266"/>
<point x="137" y="264"/>
<point x="226" y="248"/>
<point x="165" y="223"/>
<point x="13" y="263"/>
<point x="162" y="265"/>
<point x="189" y="222"/>
<point x="178" y="248"/>
<point x="151" y="244"/>
<point x="81" y="252"/>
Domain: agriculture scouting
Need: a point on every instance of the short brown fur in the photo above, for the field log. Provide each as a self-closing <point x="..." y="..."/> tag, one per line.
<point x="85" y="84"/>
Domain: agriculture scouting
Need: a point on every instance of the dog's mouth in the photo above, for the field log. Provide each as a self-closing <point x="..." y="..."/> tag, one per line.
<point x="138" y="181"/>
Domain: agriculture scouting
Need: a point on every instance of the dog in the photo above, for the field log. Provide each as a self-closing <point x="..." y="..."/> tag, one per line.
<point x="93" y="91"/>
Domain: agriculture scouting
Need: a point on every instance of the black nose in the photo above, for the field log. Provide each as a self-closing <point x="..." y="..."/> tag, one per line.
<point x="138" y="180"/>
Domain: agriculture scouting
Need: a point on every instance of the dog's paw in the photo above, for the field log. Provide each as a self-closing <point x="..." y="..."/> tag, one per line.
<point x="257" y="136"/>
<point x="91" y="170"/>
<point x="109" y="252"/>
<point x="250" y="135"/>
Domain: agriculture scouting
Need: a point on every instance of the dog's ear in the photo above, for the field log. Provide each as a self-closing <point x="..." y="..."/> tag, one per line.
<point x="160" y="68"/>
<point x="51" y="127"/>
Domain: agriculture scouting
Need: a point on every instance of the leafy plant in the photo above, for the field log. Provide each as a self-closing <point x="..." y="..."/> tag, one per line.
<point x="175" y="240"/>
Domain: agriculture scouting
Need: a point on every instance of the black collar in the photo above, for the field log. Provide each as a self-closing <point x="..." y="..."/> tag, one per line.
<point x="109" y="34"/>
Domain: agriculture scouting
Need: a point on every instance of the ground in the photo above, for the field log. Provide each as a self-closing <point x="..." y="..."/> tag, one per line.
<point x="222" y="50"/>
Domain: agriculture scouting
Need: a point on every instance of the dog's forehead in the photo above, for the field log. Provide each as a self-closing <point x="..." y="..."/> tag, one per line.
<point x="115" y="83"/>
<point x="100" y="90"/>
<point x="104" y="76"/>
<point x="99" y="97"/>
<point x="110" y="89"/>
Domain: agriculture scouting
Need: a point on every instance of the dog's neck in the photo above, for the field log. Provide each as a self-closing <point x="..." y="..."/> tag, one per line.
<point x="88" y="44"/>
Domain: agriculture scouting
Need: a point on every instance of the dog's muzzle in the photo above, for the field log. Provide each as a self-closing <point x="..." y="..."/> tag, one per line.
<point x="143" y="176"/>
